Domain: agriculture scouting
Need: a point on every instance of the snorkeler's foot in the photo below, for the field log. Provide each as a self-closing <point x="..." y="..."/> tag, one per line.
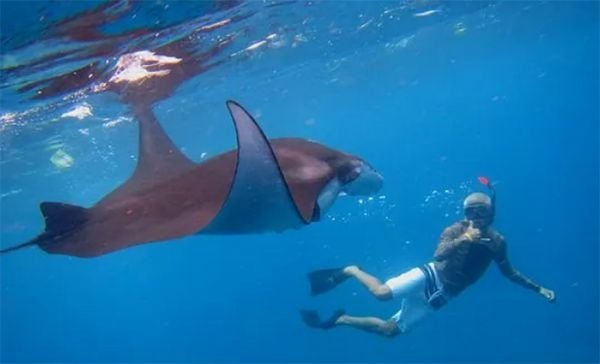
<point x="332" y="321"/>
<point x="324" y="280"/>
<point x="311" y="319"/>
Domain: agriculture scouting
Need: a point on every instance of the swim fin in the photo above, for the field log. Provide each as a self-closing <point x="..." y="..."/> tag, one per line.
<point x="323" y="280"/>
<point x="311" y="319"/>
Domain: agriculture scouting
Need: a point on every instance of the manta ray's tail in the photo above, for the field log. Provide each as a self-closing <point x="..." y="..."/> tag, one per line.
<point x="20" y="246"/>
<point x="61" y="218"/>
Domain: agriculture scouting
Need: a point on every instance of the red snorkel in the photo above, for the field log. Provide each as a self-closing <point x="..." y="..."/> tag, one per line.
<point x="486" y="182"/>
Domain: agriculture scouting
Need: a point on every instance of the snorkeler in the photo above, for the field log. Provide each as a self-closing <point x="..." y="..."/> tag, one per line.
<point x="463" y="254"/>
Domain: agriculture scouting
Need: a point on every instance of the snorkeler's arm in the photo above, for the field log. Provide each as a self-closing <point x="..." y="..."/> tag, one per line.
<point x="514" y="275"/>
<point x="451" y="238"/>
<point x="501" y="258"/>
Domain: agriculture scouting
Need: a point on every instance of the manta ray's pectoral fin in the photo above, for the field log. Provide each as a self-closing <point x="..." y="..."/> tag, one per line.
<point x="259" y="198"/>
<point x="158" y="157"/>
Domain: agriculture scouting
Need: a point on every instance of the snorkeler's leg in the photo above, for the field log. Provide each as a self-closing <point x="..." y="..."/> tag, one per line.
<point x="371" y="324"/>
<point x="323" y="280"/>
<point x="374" y="285"/>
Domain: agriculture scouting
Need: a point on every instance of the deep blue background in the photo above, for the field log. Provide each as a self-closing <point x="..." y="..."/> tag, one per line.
<point x="515" y="97"/>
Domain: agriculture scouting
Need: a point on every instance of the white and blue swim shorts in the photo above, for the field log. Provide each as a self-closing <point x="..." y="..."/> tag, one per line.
<point x="421" y="292"/>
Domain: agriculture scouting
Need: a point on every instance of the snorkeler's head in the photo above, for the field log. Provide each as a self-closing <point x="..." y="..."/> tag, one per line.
<point x="478" y="208"/>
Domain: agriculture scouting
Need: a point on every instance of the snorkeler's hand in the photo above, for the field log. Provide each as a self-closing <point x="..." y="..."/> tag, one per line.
<point x="548" y="293"/>
<point x="472" y="233"/>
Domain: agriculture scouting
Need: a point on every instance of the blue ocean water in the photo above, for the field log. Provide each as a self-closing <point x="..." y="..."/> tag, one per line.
<point x="433" y="94"/>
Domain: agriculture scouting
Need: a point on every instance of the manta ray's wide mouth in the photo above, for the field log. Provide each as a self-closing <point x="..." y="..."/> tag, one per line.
<point x="367" y="182"/>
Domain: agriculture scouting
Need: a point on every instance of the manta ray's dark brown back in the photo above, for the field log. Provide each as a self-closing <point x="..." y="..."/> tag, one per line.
<point x="168" y="196"/>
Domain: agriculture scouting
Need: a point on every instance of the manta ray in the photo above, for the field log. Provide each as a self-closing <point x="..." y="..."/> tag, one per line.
<point x="262" y="186"/>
